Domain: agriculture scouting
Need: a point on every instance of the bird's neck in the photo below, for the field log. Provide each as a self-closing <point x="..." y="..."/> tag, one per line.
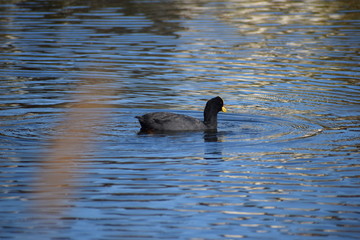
<point x="210" y="118"/>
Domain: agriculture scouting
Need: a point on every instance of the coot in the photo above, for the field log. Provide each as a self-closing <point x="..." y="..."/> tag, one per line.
<point x="165" y="121"/>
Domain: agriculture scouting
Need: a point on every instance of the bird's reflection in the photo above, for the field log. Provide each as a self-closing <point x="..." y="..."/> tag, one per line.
<point x="213" y="146"/>
<point x="211" y="136"/>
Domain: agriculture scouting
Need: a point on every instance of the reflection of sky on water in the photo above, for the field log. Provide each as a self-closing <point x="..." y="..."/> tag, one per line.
<point x="282" y="164"/>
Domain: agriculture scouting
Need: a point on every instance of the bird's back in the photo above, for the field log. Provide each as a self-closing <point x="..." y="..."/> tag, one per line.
<point x="165" y="121"/>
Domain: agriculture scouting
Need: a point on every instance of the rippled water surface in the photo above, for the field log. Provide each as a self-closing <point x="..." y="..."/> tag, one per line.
<point x="284" y="163"/>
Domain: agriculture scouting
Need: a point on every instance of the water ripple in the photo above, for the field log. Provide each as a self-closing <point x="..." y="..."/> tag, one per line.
<point x="283" y="163"/>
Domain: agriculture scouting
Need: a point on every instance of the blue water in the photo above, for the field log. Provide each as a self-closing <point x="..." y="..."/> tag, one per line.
<point x="284" y="163"/>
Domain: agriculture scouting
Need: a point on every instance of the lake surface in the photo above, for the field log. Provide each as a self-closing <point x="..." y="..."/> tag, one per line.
<point x="284" y="163"/>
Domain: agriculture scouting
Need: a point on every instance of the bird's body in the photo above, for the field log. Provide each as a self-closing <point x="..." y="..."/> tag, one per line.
<point x="165" y="121"/>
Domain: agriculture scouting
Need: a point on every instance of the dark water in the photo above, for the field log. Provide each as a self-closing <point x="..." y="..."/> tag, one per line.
<point x="284" y="163"/>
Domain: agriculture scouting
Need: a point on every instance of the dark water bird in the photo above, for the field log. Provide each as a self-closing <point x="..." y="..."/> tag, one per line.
<point x="165" y="121"/>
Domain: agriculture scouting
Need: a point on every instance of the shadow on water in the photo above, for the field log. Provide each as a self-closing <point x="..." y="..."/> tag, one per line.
<point x="210" y="136"/>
